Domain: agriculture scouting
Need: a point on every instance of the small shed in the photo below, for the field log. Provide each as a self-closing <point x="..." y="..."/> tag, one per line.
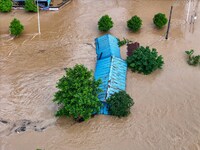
<point x="112" y="72"/>
<point x="107" y="46"/>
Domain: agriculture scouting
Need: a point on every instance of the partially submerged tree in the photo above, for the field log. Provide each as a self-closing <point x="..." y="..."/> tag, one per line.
<point x="192" y="60"/>
<point x="77" y="94"/>
<point x="160" y="20"/>
<point x="120" y="104"/>
<point x="30" y="6"/>
<point x="134" y="24"/>
<point x="144" y="60"/>
<point x="16" y="27"/>
<point x="105" y="23"/>
<point x="5" y="5"/>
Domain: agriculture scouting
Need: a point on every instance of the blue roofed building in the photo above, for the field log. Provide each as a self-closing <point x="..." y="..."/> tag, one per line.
<point x="112" y="72"/>
<point x="107" y="46"/>
<point x="110" y="68"/>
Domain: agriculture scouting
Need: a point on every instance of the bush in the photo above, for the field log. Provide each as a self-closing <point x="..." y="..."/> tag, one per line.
<point x="77" y="94"/>
<point x="123" y="42"/>
<point x="192" y="60"/>
<point x="134" y="23"/>
<point x="160" y="20"/>
<point x="120" y="104"/>
<point x="5" y="5"/>
<point x="143" y="60"/>
<point x="16" y="27"/>
<point x="105" y="23"/>
<point x="30" y="6"/>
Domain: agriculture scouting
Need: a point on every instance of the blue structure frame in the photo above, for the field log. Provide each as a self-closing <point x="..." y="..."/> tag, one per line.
<point x="110" y="68"/>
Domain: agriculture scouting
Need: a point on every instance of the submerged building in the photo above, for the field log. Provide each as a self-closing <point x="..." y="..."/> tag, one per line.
<point x="107" y="46"/>
<point x="110" y="68"/>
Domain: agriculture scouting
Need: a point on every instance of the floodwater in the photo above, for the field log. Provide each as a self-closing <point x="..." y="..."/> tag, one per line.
<point x="166" y="114"/>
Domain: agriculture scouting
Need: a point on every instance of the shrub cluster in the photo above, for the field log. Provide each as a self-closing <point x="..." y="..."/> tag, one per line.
<point x="105" y="23"/>
<point x="77" y="94"/>
<point x="5" y="5"/>
<point x="16" y="27"/>
<point x="134" y="24"/>
<point x="144" y="60"/>
<point x="120" y="104"/>
<point x="123" y="42"/>
<point x="160" y="20"/>
<point x="192" y="60"/>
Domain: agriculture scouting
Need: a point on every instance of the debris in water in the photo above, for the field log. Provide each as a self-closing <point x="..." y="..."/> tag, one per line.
<point x="20" y="129"/>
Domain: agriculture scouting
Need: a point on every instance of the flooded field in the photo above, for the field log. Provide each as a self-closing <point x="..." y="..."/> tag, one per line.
<point x="166" y="114"/>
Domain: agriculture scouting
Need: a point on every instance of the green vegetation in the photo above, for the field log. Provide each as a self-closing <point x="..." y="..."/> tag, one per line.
<point x="120" y="104"/>
<point x="192" y="60"/>
<point x="77" y="94"/>
<point x="123" y="42"/>
<point x="30" y="6"/>
<point x="5" y="5"/>
<point x="134" y="24"/>
<point x="160" y="20"/>
<point x="144" y="60"/>
<point x="105" y="23"/>
<point x="16" y="27"/>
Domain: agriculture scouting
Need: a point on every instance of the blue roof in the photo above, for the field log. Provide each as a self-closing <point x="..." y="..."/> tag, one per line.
<point x="112" y="72"/>
<point x="107" y="46"/>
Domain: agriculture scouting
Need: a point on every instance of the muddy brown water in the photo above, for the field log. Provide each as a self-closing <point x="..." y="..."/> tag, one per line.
<point x="166" y="114"/>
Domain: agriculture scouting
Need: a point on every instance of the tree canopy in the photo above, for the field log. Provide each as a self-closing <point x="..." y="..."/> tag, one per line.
<point x="120" y="104"/>
<point x="134" y="24"/>
<point x="16" y="27"/>
<point x="30" y="6"/>
<point x="5" y="5"/>
<point x="105" y="23"/>
<point x="160" y="20"/>
<point x="77" y="94"/>
<point x="144" y="60"/>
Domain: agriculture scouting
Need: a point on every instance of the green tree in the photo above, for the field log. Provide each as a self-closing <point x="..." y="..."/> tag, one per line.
<point x="105" y="23"/>
<point x="77" y="94"/>
<point x="160" y="20"/>
<point x="144" y="60"/>
<point x="30" y="6"/>
<point x="120" y="104"/>
<point x="16" y="27"/>
<point x="134" y="24"/>
<point x="5" y="5"/>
